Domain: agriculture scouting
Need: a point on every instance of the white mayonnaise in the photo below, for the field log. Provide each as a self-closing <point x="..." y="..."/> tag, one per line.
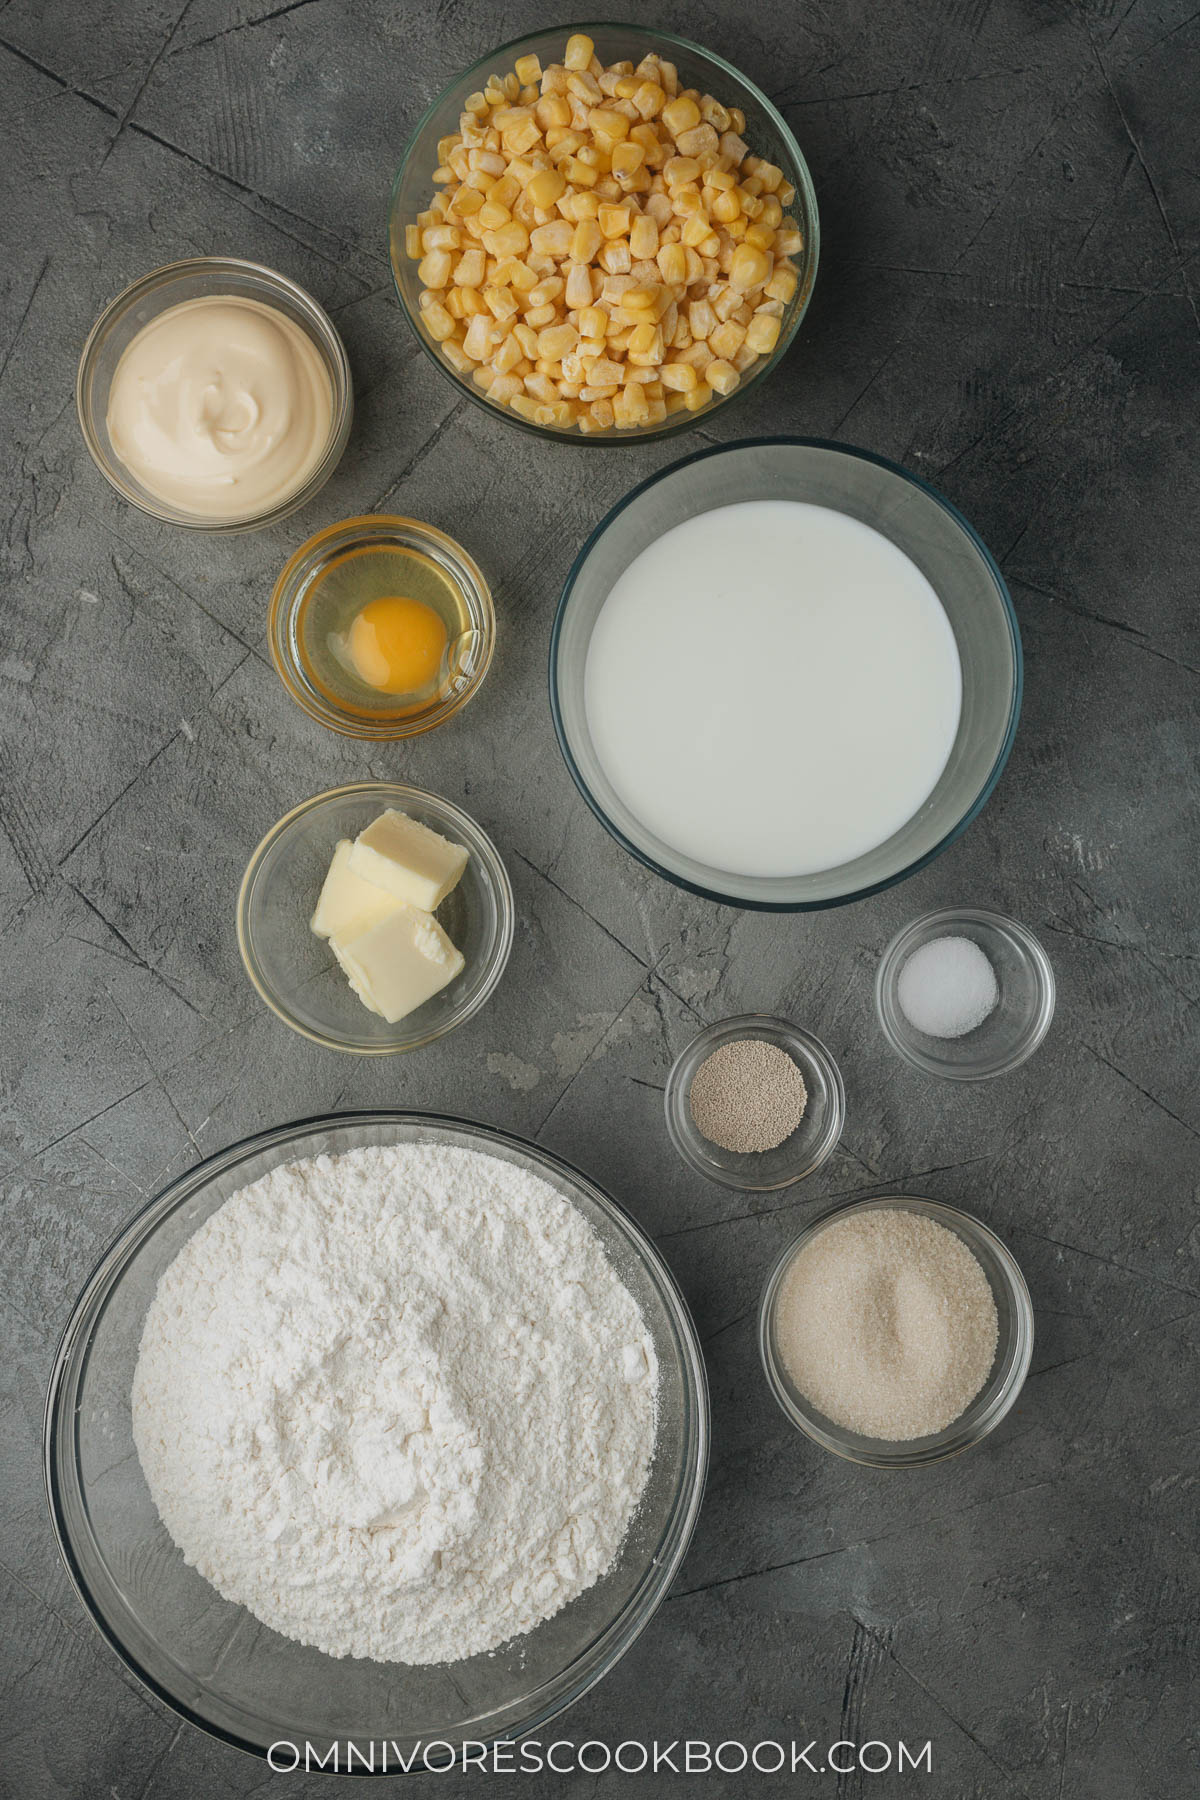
<point x="221" y="406"/>
<point x="773" y="688"/>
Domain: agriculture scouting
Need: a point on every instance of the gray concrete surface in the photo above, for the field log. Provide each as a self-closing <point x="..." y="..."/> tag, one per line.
<point x="1008" y="304"/>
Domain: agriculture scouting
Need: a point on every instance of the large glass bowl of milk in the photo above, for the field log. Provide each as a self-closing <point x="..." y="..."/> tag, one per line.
<point x="785" y="674"/>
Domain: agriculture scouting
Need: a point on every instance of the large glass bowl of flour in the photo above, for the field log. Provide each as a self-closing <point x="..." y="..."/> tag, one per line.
<point x="212" y="1661"/>
<point x="785" y="674"/>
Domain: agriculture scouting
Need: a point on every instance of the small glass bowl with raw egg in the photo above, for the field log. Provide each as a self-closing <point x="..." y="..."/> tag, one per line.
<point x="382" y="627"/>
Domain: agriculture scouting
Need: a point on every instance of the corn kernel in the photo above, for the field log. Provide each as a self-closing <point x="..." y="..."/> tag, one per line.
<point x="578" y="291"/>
<point x="509" y="241"/>
<point x="553" y="239"/>
<point x="649" y="99"/>
<point x="527" y="69"/>
<point x="478" y="343"/>
<point x="552" y="109"/>
<point x="545" y="187"/>
<point x="508" y="355"/>
<point x="433" y="271"/>
<point x="609" y="123"/>
<point x="585" y="241"/>
<point x="557" y="341"/>
<point x="580" y="49"/>
<point x="680" y="115"/>
<point x="699" y="396"/>
<point x="643" y="237"/>
<point x="466" y="202"/>
<point x="782" y="285"/>
<point x="672" y="263"/>
<point x="604" y="372"/>
<point x="681" y="377"/>
<point x="437" y="321"/>
<point x="614" y="220"/>
<point x="749" y="268"/>
<point x="614" y="257"/>
<point x="726" y="340"/>
<point x="721" y="376"/>
<point x="627" y="158"/>
<point x="679" y="170"/>
<point x="762" y="334"/>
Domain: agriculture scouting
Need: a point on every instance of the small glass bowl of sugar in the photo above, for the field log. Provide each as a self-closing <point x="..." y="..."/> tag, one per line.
<point x="964" y="994"/>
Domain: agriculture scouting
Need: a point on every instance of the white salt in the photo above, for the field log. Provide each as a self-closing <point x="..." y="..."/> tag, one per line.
<point x="947" y="987"/>
<point x="887" y="1325"/>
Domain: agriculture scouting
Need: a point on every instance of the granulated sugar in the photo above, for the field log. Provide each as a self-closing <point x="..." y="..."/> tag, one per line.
<point x="886" y="1323"/>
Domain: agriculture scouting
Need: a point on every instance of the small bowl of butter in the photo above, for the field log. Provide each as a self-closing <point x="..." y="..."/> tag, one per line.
<point x="375" y="918"/>
<point x="381" y="627"/>
<point x="215" y="393"/>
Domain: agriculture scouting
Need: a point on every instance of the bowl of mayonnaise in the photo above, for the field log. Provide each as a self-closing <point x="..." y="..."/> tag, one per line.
<point x="215" y="393"/>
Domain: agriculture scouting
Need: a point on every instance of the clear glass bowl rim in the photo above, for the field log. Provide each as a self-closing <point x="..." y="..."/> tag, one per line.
<point x="889" y="964"/>
<point x="994" y="774"/>
<point x="323" y="330"/>
<point x="285" y="594"/>
<point x="675" y="1102"/>
<point x="683" y="421"/>
<point x="623" y="1631"/>
<point x="954" y="1438"/>
<point x="506" y="914"/>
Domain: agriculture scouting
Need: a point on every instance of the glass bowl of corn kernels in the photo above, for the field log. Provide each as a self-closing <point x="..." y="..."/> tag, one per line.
<point x="603" y="233"/>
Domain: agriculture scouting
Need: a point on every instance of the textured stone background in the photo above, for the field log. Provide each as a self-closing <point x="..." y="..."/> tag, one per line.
<point x="1008" y="304"/>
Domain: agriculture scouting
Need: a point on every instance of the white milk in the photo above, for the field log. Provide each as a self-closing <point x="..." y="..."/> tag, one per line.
<point x="773" y="688"/>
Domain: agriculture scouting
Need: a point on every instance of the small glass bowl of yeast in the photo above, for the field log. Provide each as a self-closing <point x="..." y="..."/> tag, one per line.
<point x="381" y="627"/>
<point x="802" y="1151"/>
<point x="198" y="279"/>
<point x="295" y="971"/>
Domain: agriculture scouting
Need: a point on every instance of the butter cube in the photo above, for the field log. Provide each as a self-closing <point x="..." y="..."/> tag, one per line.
<point x="348" y="905"/>
<point x="408" y="860"/>
<point x="398" y="964"/>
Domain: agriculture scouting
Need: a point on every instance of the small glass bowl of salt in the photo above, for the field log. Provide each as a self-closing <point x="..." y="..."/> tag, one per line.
<point x="964" y="994"/>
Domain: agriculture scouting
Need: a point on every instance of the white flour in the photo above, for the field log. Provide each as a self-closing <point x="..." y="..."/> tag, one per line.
<point x="396" y="1402"/>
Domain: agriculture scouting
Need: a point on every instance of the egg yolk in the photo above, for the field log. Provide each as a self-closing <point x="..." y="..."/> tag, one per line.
<point x="397" y="645"/>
